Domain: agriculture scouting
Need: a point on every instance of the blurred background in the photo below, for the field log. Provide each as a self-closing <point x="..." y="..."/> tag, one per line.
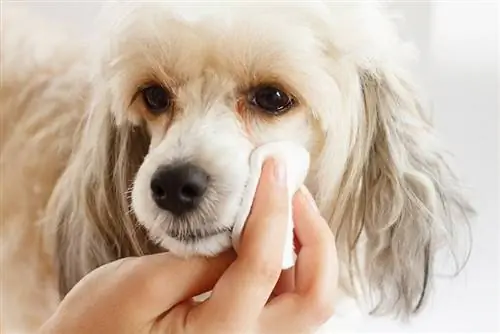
<point x="459" y="44"/>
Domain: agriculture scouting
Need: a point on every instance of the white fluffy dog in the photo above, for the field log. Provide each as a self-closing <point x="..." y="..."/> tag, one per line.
<point x="138" y="141"/>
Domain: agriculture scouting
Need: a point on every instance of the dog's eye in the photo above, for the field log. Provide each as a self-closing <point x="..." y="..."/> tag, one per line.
<point x="271" y="100"/>
<point x="156" y="98"/>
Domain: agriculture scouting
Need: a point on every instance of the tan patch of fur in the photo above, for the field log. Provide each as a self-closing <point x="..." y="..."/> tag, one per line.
<point x="71" y="145"/>
<point x="38" y="131"/>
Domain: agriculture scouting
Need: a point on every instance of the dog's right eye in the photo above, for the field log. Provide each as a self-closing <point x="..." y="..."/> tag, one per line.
<point x="156" y="98"/>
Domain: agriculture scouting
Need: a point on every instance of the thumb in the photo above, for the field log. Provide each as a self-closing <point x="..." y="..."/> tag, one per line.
<point x="267" y="221"/>
<point x="256" y="270"/>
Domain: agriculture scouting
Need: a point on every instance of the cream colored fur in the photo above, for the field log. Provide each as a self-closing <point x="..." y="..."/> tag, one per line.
<point x="77" y="151"/>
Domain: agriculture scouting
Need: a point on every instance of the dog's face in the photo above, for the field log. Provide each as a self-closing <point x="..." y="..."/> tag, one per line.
<point x="183" y="94"/>
<point x="209" y="92"/>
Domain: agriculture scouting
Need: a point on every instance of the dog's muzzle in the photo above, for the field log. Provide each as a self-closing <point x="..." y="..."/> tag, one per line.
<point x="179" y="188"/>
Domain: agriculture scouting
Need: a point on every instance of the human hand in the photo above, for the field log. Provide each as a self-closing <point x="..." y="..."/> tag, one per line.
<point x="250" y="293"/>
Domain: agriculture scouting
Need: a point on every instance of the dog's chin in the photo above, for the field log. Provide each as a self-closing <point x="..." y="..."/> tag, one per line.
<point x="209" y="245"/>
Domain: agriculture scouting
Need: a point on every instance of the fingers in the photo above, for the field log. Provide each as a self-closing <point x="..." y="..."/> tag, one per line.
<point x="155" y="283"/>
<point x="286" y="282"/>
<point x="317" y="266"/>
<point x="316" y="270"/>
<point x="243" y="290"/>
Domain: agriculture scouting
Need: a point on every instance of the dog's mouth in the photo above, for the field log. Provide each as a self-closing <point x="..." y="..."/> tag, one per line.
<point x="194" y="236"/>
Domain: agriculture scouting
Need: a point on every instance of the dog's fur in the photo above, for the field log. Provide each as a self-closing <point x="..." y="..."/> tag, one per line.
<point x="78" y="151"/>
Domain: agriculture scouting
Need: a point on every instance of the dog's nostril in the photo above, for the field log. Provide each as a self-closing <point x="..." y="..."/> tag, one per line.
<point x="189" y="191"/>
<point x="180" y="188"/>
<point x="157" y="190"/>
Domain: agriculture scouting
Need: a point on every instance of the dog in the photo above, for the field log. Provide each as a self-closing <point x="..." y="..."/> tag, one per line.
<point x="136" y="141"/>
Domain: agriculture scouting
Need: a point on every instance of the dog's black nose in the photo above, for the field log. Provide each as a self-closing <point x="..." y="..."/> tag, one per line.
<point x="179" y="189"/>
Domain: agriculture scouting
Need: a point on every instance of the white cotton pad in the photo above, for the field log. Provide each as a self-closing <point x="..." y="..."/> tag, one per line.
<point x="296" y="159"/>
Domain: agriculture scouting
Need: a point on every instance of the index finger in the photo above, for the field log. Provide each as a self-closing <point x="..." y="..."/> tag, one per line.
<point x="155" y="283"/>
<point x="245" y="287"/>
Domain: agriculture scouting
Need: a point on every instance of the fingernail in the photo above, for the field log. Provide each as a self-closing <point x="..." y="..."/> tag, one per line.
<point x="279" y="172"/>
<point x="309" y="198"/>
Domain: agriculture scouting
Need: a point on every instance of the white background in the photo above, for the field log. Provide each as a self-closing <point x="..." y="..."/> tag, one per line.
<point x="459" y="67"/>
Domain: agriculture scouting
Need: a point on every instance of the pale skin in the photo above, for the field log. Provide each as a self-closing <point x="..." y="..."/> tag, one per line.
<point x="250" y="293"/>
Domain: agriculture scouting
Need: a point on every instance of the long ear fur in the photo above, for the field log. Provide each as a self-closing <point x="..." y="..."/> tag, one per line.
<point x="399" y="193"/>
<point x="397" y="201"/>
<point x="90" y="205"/>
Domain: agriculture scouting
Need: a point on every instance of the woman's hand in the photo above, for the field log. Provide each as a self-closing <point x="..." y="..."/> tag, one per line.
<point x="153" y="294"/>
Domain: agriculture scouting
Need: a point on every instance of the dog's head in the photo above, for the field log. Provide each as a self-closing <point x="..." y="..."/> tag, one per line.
<point x="183" y="94"/>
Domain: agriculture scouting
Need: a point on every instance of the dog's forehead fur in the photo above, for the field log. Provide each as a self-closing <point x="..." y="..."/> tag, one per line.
<point x="163" y="41"/>
<point x="359" y="30"/>
<point x="378" y="173"/>
<point x="242" y="43"/>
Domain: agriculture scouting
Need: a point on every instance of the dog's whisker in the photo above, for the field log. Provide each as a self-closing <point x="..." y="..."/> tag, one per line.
<point x="332" y="80"/>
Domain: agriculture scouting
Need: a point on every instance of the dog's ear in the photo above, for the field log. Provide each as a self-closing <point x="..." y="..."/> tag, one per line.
<point x="90" y="208"/>
<point x="391" y="198"/>
<point x="398" y="192"/>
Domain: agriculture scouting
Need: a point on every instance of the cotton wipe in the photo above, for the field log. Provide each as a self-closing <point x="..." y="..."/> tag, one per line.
<point x="296" y="160"/>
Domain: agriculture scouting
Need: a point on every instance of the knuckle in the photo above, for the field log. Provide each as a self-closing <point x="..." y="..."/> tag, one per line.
<point x="146" y="283"/>
<point x="281" y="207"/>
<point x="327" y="248"/>
<point x="269" y="274"/>
<point x="266" y="269"/>
<point x="276" y="212"/>
<point x="124" y="268"/>
<point x="120" y="264"/>
<point x="322" y="307"/>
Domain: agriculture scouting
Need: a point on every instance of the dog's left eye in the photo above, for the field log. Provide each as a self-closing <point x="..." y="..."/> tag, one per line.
<point x="271" y="99"/>
<point x="156" y="98"/>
